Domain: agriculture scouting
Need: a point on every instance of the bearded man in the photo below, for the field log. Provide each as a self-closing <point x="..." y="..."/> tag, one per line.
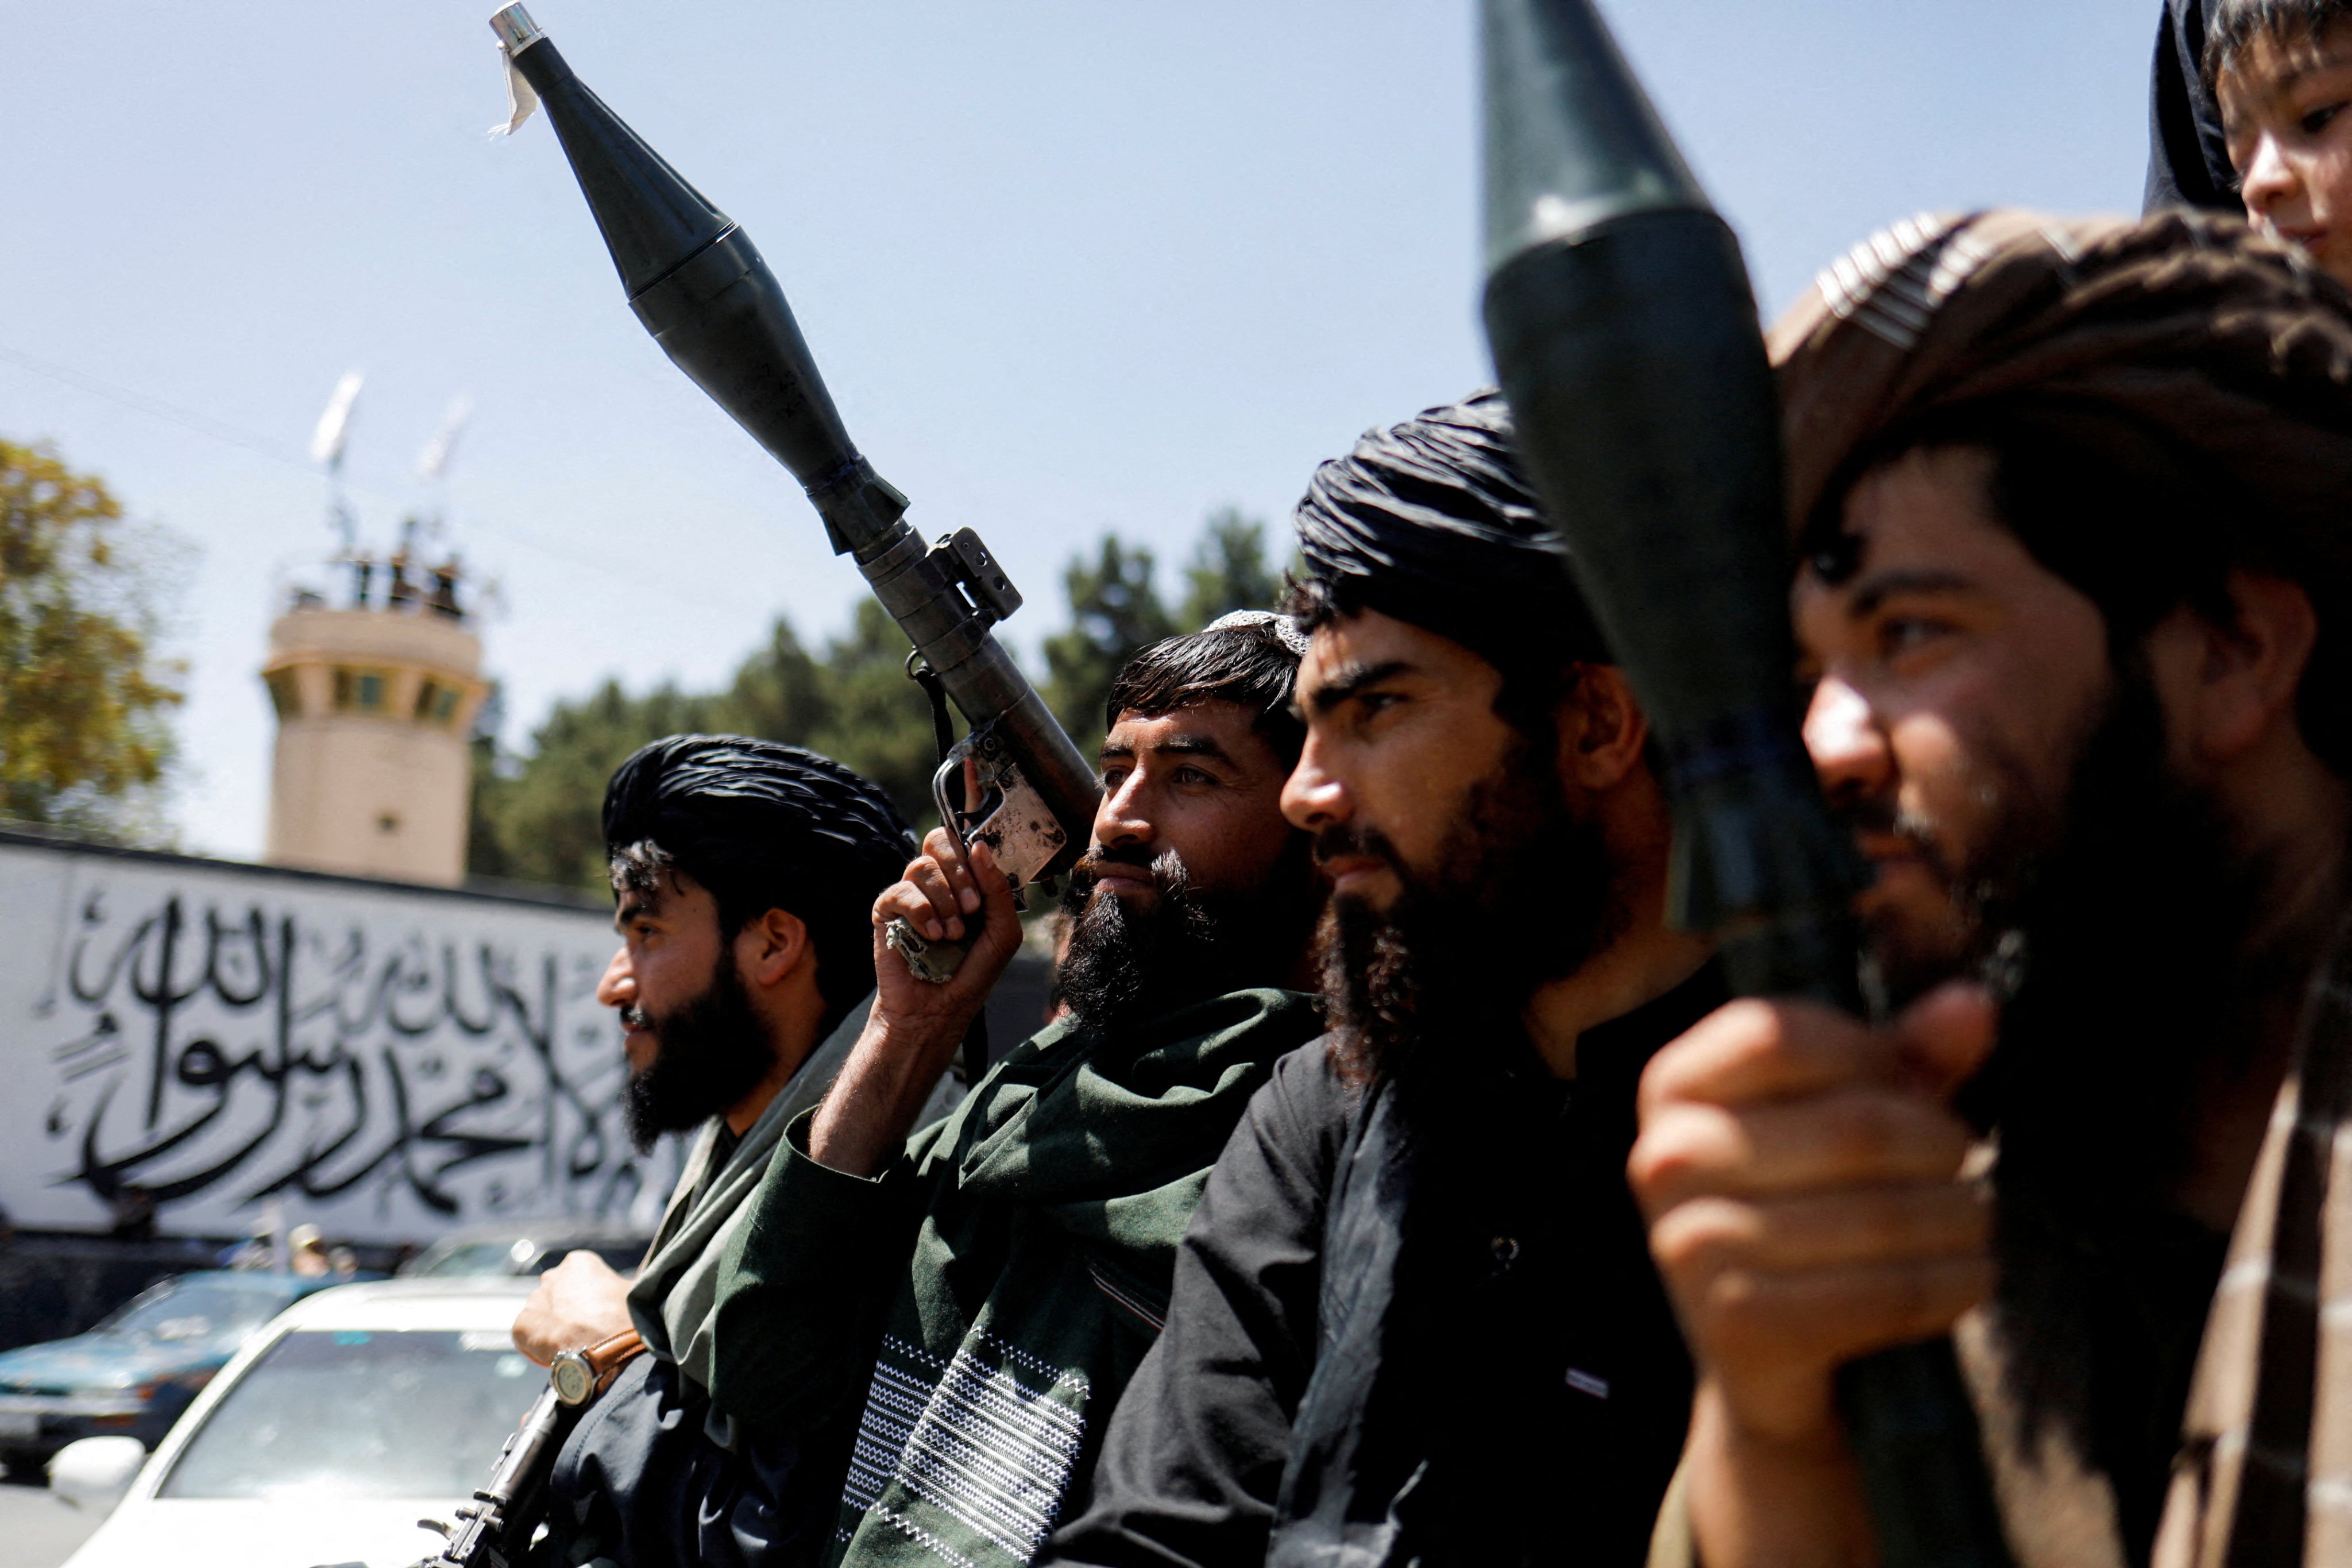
<point x="1414" y="1318"/>
<point x="2072" y="505"/>
<point x="742" y="871"/>
<point x="974" y="1299"/>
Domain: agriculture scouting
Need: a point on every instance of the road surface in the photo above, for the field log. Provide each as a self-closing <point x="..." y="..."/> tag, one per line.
<point x="36" y="1530"/>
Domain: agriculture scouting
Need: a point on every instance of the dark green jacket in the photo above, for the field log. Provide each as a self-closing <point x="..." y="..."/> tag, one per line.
<point x="977" y="1310"/>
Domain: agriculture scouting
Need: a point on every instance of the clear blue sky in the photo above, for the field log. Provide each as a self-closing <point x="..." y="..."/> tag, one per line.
<point x="1069" y="264"/>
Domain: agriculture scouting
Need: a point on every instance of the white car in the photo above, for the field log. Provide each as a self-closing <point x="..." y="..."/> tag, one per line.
<point x="354" y="1414"/>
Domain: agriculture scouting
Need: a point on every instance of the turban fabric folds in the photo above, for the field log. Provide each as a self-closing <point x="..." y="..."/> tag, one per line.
<point x="2183" y="333"/>
<point x="1432" y="522"/>
<point x="2193" y="380"/>
<point x="730" y="800"/>
<point x="766" y="826"/>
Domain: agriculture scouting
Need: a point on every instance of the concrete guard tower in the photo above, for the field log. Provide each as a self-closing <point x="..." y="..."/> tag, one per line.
<point x="375" y="702"/>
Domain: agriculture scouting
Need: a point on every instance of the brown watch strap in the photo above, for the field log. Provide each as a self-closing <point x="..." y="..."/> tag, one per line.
<point x="608" y="1357"/>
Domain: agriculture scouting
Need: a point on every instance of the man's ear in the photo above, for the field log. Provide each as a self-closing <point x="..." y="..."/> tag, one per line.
<point x="1601" y="729"/>
<point x="770" y="948"/>
<point x="2228" y="685"/>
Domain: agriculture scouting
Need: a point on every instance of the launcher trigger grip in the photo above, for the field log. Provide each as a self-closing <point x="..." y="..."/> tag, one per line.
<point x="1010" y="816"/>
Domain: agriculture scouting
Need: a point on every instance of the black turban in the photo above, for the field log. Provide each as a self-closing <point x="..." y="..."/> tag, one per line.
<point x="766" y="826"/>
<point x="1432" y="522"/>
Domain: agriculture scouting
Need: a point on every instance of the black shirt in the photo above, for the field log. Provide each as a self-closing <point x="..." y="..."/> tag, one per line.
<point x="1564" y="1389"/>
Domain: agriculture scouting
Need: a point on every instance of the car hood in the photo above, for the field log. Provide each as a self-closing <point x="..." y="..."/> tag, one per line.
<point x="107" y="1361"/>
<point x="264" y="1532"/>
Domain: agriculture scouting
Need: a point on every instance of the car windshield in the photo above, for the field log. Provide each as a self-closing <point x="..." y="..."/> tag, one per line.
<point x="191" y="1309"/>
<point x="361" y="1414"/>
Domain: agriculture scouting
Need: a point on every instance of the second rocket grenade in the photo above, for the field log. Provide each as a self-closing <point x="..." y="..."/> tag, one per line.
<point x="1625" y="336"/>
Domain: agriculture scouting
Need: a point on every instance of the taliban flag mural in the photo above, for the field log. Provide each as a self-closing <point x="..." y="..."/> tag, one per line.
<point x="387" y="1061"/>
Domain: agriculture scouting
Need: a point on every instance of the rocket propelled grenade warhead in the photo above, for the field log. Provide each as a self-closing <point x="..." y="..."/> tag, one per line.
<point x="1625" y="337"/>
<point x="1550" y="176"/>
<point x="700" y="288"/>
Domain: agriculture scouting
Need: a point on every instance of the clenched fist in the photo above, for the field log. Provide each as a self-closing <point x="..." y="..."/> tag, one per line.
<point x="1802" y="1176"/>
<point x="916" y="1026"/>
<point x="579" y="1302"/>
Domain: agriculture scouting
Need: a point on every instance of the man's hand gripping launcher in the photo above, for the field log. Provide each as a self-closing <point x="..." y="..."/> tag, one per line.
<point x="695" y="281"/>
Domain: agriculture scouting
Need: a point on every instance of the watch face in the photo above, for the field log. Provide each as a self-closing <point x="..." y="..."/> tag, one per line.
<point x="572" y="1377"/>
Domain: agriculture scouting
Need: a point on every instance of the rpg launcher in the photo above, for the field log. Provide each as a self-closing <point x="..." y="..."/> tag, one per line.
<point x="1624" y="335"/>
<point x="698" y="285"/>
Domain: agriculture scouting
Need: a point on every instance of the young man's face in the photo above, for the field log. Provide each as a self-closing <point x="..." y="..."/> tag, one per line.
<point x="1468" y="872"/>
<point x="695" y="1041"/>
<point x="2283" y="105"/>
<point x="669" y="952"/>
<point x="1200" y="783"/>
<point x="1400" y="727"/>
<point x="1957" y="682"/>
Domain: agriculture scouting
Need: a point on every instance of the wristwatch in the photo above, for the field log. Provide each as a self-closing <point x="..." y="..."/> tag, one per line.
<point x="579" y="1375"/>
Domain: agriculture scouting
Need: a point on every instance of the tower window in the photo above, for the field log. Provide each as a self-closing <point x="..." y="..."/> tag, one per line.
<point x="435" y="704"/>
<point x="360" y="690"/>
<point x="285" y="695"/>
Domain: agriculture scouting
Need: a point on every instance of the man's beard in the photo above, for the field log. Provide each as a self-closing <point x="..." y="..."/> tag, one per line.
<point x="708" y="1055"/>
<point x="1979" y="935"/>
<point x="1429" y="996"/>
<point x="1124" y="963"/>
<point x="2113" y="928"/>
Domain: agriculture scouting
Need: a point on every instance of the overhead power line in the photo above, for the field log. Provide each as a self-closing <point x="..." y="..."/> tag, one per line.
<point x="156" y="407"/>
<point x="635" y="575"/>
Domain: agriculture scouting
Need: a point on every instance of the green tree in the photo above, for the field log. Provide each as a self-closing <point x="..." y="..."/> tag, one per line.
<point x="1228" y="570"/>
<point x="537" y="817"/>
<point x="547" y="818"/>
<point x="779" y="694"/>
<point x="1114" y="611"/>
<point x="84" y="738"/>
<point x="486" y="853"/>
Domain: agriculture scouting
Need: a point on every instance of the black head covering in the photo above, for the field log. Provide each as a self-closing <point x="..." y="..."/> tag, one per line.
<point x="1433" y="521"/>
<point x="766" y="826"/>
<point x="2188" y="161"/>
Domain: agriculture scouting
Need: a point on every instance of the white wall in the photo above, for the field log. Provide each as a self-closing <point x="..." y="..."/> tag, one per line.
<point x="390" y="1061"/>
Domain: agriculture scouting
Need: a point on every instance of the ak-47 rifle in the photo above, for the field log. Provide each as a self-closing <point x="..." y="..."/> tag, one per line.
<point x="1625" y="337"/>
<point x="494" y="1530"/>
<point x="698" y="286"/>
